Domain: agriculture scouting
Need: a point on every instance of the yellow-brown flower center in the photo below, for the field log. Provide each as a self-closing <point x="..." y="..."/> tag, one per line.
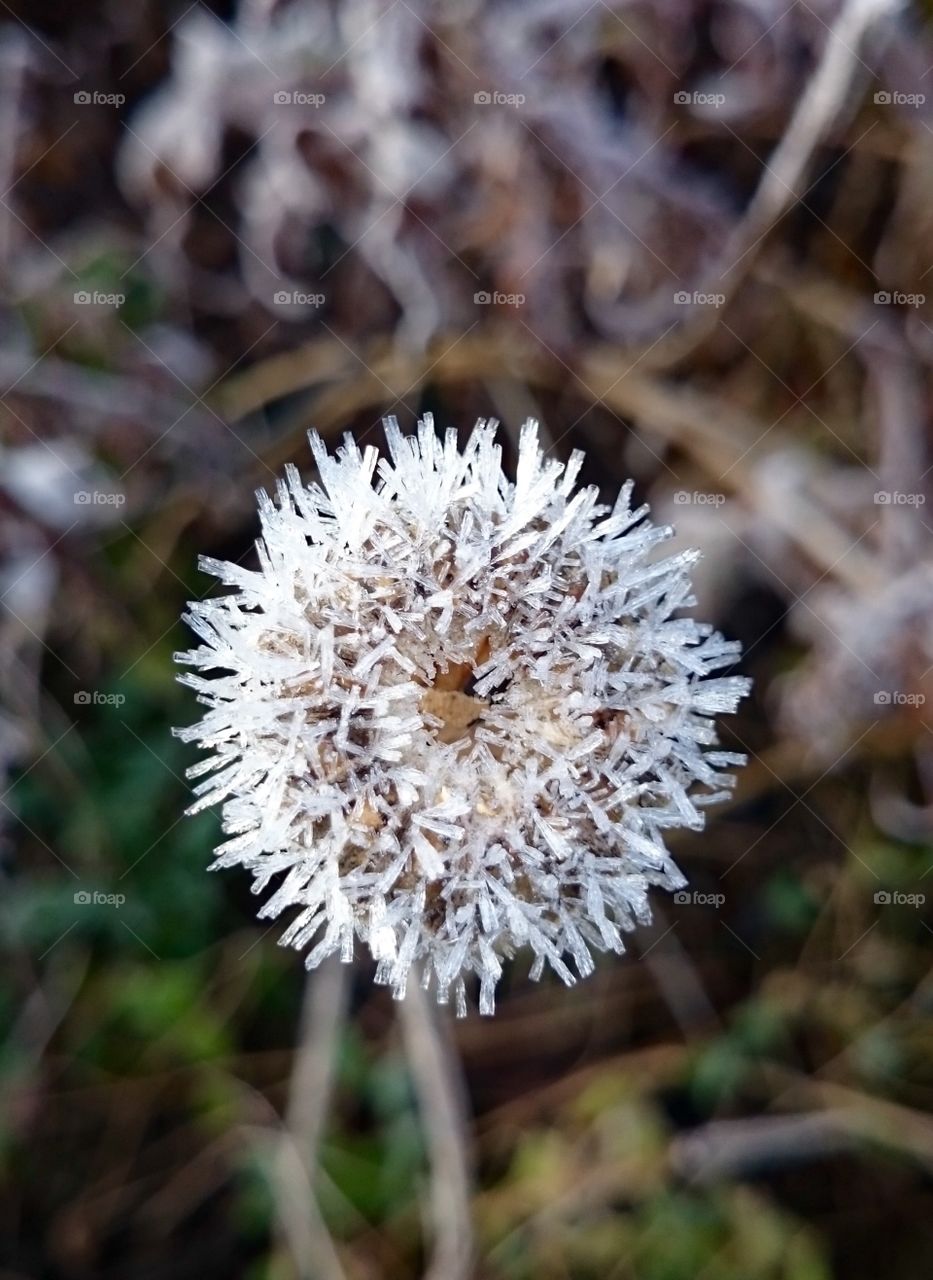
<point x="451" y="700"/>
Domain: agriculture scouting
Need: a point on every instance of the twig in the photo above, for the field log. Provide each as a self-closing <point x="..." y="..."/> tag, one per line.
<point x="322" y="1016"/>
<point x="783" y="174"/>
<point x="15" y="62"/>
<point x="436" y="1076"/>
<point x="304" y="1230"/>
<point x="817" y="110"/>
<point x="871" y="1119"/>
<point x="737" y="1148"/>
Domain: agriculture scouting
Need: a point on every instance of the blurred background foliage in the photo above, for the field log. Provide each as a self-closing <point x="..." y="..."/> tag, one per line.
<point x="692" y="238"/>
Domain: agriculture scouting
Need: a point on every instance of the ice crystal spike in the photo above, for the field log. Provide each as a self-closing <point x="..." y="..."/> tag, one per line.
<point x="453" y="715"/>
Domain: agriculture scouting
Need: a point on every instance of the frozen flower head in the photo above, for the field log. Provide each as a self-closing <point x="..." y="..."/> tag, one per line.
<point x="453" y="715"/>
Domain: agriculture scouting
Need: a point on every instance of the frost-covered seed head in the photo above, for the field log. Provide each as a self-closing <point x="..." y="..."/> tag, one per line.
<point x="454" y="715"/>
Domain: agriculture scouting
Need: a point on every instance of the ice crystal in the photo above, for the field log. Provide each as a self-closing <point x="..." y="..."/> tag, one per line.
<point x="453" y="715"/>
